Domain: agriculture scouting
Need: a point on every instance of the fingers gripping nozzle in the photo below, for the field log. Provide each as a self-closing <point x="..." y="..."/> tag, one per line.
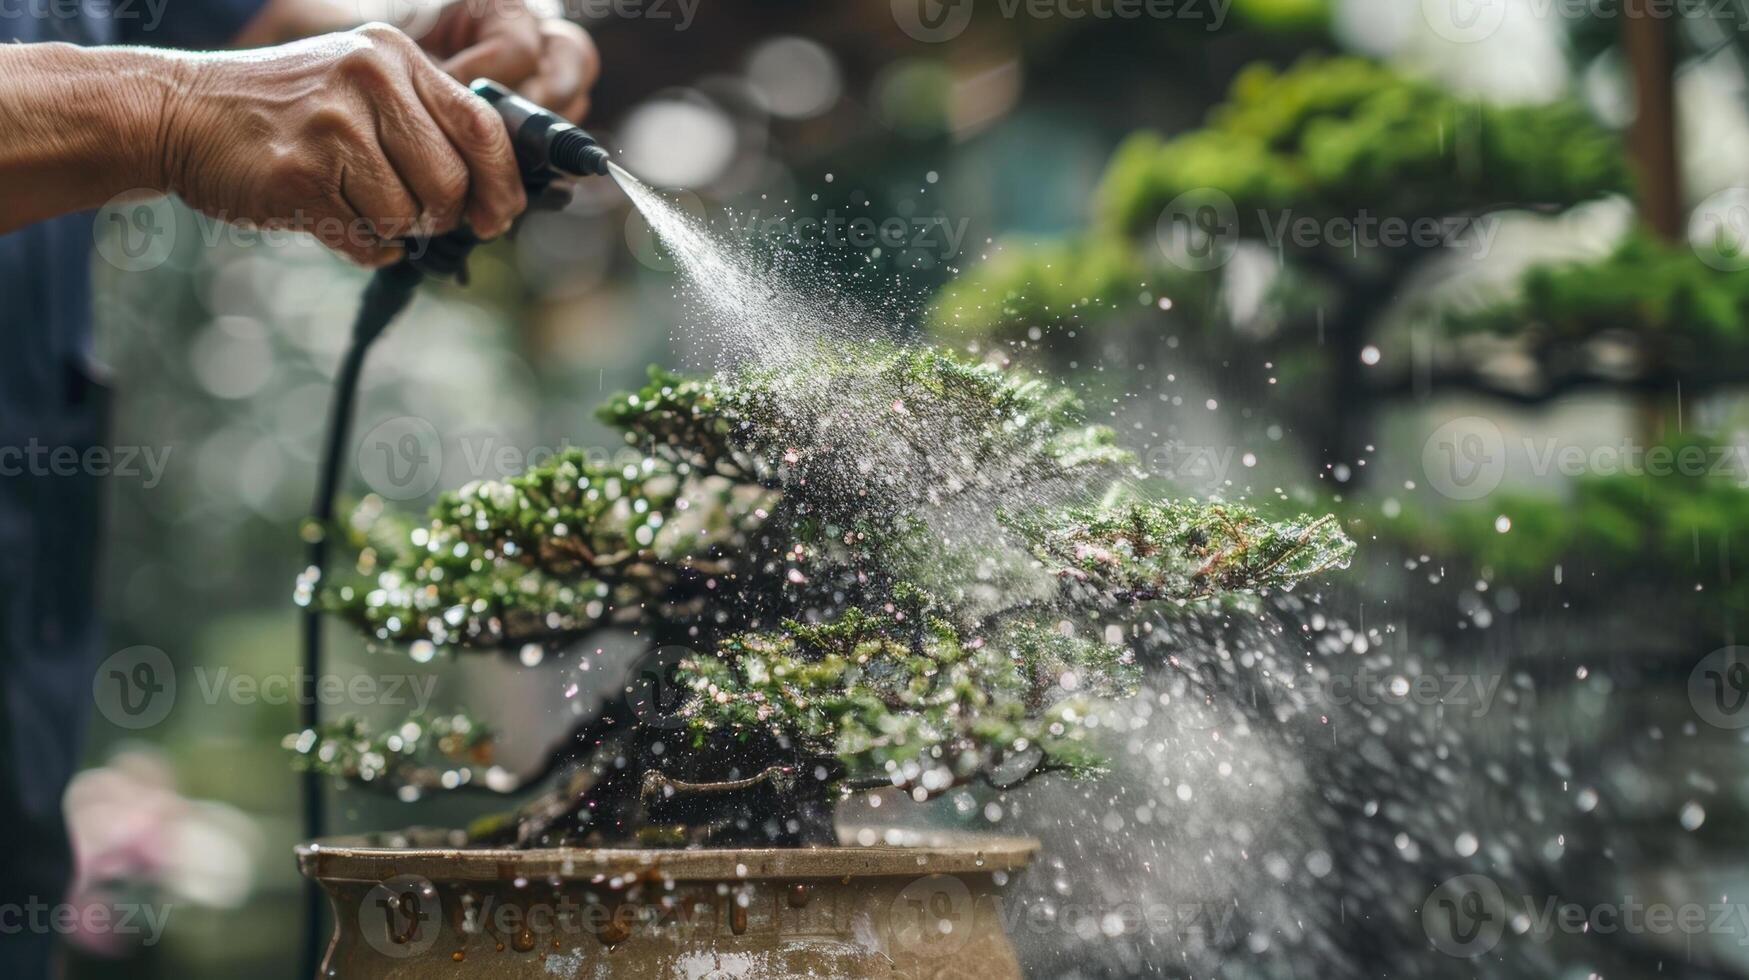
<point x="546" y="145"/>
<point x="548" y="150"/>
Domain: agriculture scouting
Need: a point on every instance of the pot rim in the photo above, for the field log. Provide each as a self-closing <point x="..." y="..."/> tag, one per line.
<point x="895" y="852"/>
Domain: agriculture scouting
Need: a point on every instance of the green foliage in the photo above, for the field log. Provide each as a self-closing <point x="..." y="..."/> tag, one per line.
<point x="502" y="562"/>
<point x="1285" y="15"/>
<point x="416" y="753"/>
<point x="827" y="535"/>
<point x="1329" y="138"/>
<point x="1643" y="285"/>
<point x="1345" y="135"/>
<point x="910" y="699"/>
<point x="1186" y="551"/>
<point x="1680" y="514"/>
<point x="890" y="429"/>
<point x="1051" y="282"/>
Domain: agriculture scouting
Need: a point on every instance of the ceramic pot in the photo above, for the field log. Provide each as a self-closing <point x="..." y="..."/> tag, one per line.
<point x="884" y="904"/>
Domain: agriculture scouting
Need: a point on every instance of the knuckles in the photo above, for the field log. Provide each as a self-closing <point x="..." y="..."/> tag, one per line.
<point x="378" y="59"/>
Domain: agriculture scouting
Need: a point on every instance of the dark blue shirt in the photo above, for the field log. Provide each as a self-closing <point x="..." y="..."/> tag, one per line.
<point x="51" y="397"/>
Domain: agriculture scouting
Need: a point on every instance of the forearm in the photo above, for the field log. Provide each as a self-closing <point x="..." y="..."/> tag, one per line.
<point x="79" y="126"/>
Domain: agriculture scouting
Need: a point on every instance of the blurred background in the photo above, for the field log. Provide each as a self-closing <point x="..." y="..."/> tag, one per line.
<point x="1470" y="273"/>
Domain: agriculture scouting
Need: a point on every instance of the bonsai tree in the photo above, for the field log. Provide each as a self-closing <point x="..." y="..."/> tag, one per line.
<point x="1342" y="140"/>
<point x="894" y="569"/>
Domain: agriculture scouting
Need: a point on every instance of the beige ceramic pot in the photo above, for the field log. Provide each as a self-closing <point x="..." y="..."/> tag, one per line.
<point x="882" y="905"/>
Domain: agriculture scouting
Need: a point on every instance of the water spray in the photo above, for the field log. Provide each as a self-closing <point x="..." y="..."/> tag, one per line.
<point x="549" y="151"/>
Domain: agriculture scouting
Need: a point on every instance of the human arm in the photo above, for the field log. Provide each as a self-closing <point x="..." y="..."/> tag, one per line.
<point x="356" y="137"/>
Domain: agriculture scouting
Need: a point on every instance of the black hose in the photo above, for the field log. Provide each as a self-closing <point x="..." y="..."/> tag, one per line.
<point x="547" y="148"/>
<point x="388" y="293"/>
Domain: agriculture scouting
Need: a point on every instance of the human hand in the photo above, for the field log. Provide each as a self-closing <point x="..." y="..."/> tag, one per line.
<point x="355" y="137"/>
<point x="550" y="61"/>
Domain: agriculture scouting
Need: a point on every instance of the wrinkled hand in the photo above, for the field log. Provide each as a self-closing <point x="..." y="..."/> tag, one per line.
<point x="357" y="138"/>
<point x="550" y="61"/>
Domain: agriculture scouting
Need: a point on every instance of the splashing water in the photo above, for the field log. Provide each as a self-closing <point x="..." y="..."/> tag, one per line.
<point x="751" y="307"/>
<point x="1258" y="818"/>
<point x="747" y="305"/>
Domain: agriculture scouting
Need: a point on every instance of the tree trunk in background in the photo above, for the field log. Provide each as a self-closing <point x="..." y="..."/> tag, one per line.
<point x="1646" y="41"/>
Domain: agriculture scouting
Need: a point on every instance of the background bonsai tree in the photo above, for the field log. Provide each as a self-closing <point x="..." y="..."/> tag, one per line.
<point x="1351" y="181"/>
<point x="901" y="569"/>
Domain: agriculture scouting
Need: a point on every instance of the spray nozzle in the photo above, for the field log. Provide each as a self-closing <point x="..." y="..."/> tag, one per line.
<point x="546" y="145"/>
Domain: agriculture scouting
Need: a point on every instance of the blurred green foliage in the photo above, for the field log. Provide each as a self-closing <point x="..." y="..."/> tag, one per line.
<point x="1329" y="137"/>
<point x="1644" y="286"/>
<point x="1344" y="135"/>
<point x="1675" y="518"/>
